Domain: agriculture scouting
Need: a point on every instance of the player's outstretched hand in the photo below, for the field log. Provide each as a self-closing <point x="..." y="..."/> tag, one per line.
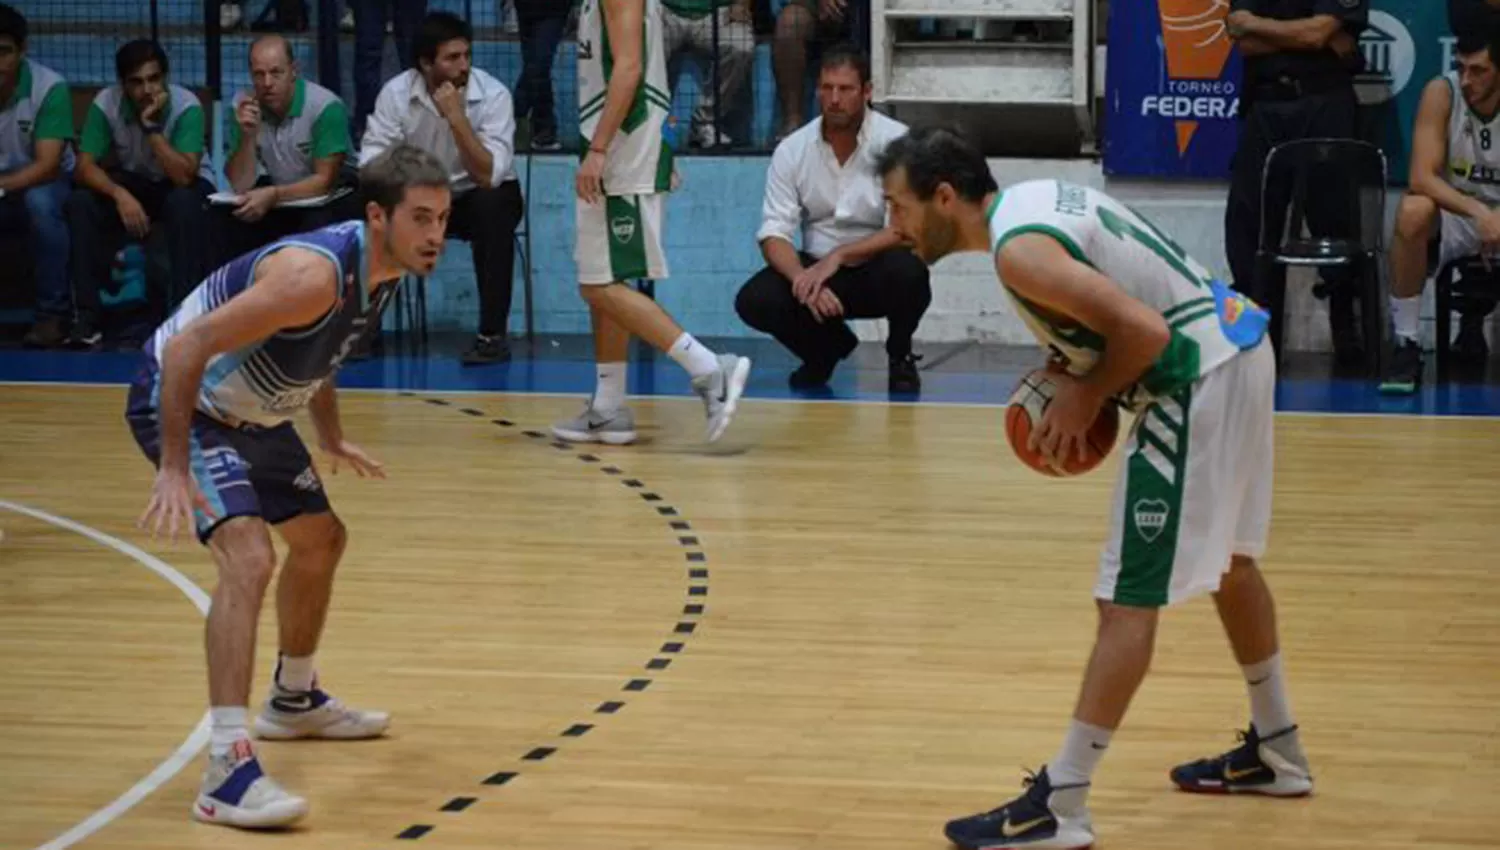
<point x="363" y="465"/>
<point x="174" y="495"/>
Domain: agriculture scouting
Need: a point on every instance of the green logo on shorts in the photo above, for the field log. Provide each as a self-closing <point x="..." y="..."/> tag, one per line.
<point x="1151" y="518"/>
<point x="623" y="229"/>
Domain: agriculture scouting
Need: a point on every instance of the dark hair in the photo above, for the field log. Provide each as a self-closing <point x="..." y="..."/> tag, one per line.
<point x="132" y="55"/>
<point x="13" y="24"/>
<point x="935" y="155"/>
<point x="386" y="178"/>
<point x="1475" y="40"/>
<point x="845" y="55"/>
<point x="437" y="28"/>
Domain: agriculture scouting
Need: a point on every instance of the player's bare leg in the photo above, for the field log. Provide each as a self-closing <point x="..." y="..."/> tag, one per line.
<point x="297" y="706"/>
<point x="1270" y="760"/>
<point x="1415" y="219"/>
<point x="235" y="791"/>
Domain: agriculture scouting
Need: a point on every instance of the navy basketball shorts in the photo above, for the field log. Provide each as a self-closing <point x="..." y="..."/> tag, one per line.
<point x="247" y="471"/>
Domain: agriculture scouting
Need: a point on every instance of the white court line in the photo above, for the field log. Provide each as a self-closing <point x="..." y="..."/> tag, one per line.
<point x="961" y="405"/>
<point x="189" y="748"/>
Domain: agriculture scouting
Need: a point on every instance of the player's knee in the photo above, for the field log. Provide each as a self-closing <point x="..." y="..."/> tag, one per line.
<point x="595" y="295"/>
<point x="1414" y="217"/>
<point x="1127" y="625"/>
<point x="322" y="543"/>
<point x="246" y="558"/>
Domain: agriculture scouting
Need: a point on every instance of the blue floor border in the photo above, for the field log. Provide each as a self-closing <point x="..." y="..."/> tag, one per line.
<point x="661" y="377"/>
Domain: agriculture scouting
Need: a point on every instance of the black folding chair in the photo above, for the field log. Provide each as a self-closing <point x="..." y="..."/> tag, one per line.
<point x="1334" y="190"/>
<point x="1465" y="285"/>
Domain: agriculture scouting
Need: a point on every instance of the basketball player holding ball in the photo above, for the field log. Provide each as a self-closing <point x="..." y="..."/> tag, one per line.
<point x="1131" y="320"/>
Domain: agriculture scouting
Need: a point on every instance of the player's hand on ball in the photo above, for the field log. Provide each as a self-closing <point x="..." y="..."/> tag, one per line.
<point x="363" y="464"/>
<point x="1063" y="431"/>
<point x="174" y="495"/>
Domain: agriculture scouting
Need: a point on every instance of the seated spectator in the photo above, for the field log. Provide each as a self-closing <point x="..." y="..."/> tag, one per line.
<point x="541" y="23"/>
<point x="463" y="116"/>
<point x="690" y="25"/>
<point x="852" y="265"/>
<point x="297" y="133"/>
<point x="36" y="125"/>
<point x="1455" y="187"/>
<point x="802" y="28"/>
<point x="140" y="164"/>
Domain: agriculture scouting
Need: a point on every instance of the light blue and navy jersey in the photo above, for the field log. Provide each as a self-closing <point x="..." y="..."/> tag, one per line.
<point x="267" y="382"/>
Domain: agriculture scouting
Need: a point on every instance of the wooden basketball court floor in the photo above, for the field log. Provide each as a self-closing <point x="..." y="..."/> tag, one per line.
<point x="841" y="627"/>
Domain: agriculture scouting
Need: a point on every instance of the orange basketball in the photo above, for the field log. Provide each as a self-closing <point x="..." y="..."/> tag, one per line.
<point x="1027" y="403"/>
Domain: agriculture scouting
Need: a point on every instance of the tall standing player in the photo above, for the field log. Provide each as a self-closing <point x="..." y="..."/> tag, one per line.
<point x="255" y="342"/>
<point x="1132" y="319"/>
<point x="622" y="188"/>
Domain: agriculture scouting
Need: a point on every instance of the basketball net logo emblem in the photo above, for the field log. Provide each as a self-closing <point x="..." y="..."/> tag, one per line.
<point x="1151" y="518"/>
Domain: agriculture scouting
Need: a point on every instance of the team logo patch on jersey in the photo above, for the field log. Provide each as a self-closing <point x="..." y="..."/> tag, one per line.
<point x="1151" y="518"/>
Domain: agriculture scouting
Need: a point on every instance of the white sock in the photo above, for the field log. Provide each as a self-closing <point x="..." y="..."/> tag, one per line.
<point x="228" y="726"/>
<point x="609" y="393"/>
<point x="1081" y="751"/>
<point x="1269" y="709"/>
<point x="692" y="355"/>
<point x="295" y="674"/>
<point x="1404" y="315"/>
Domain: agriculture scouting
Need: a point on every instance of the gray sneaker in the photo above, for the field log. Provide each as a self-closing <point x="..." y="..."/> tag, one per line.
<point x="591" y="426"/>
<point x="721" y="392"/>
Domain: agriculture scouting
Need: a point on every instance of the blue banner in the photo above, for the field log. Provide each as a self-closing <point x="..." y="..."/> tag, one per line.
<point x="1173" y="76"/>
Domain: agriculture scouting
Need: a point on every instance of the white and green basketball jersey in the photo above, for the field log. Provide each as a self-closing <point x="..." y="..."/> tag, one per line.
<point x="1473" y="148"/>
<point x="1210" y="323"/>
<point x="639" y="161"/>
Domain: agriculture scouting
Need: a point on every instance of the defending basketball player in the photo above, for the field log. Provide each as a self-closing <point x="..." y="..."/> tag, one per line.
<point x="258" y="340"/>
<point x="1132" y="320"/>
<point x="622" y="187"/>
<point x="1455" y="187"/>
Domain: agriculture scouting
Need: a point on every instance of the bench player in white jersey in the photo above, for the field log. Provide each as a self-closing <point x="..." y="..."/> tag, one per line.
<point x="622" y="188"/>
<point x="1130" y="319"/>
<point x="1455" y="185"/>
<point x="220" y="380"/>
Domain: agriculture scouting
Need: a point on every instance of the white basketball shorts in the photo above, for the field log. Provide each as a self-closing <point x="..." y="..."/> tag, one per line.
<point x="1195" y="487"/>
<point x="620" y="239"/>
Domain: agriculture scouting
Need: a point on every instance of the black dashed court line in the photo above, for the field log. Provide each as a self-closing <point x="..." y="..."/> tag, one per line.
<point x="698" y="587"/>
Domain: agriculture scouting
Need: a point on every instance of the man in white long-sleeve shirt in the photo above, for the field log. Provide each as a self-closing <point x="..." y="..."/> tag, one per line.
<point x="822" y="184"/>
<point x="466" y="118"/>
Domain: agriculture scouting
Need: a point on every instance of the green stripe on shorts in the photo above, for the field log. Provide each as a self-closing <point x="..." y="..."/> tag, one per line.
<point x="1153" y="502"/>
<point x="626" y="234"/>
